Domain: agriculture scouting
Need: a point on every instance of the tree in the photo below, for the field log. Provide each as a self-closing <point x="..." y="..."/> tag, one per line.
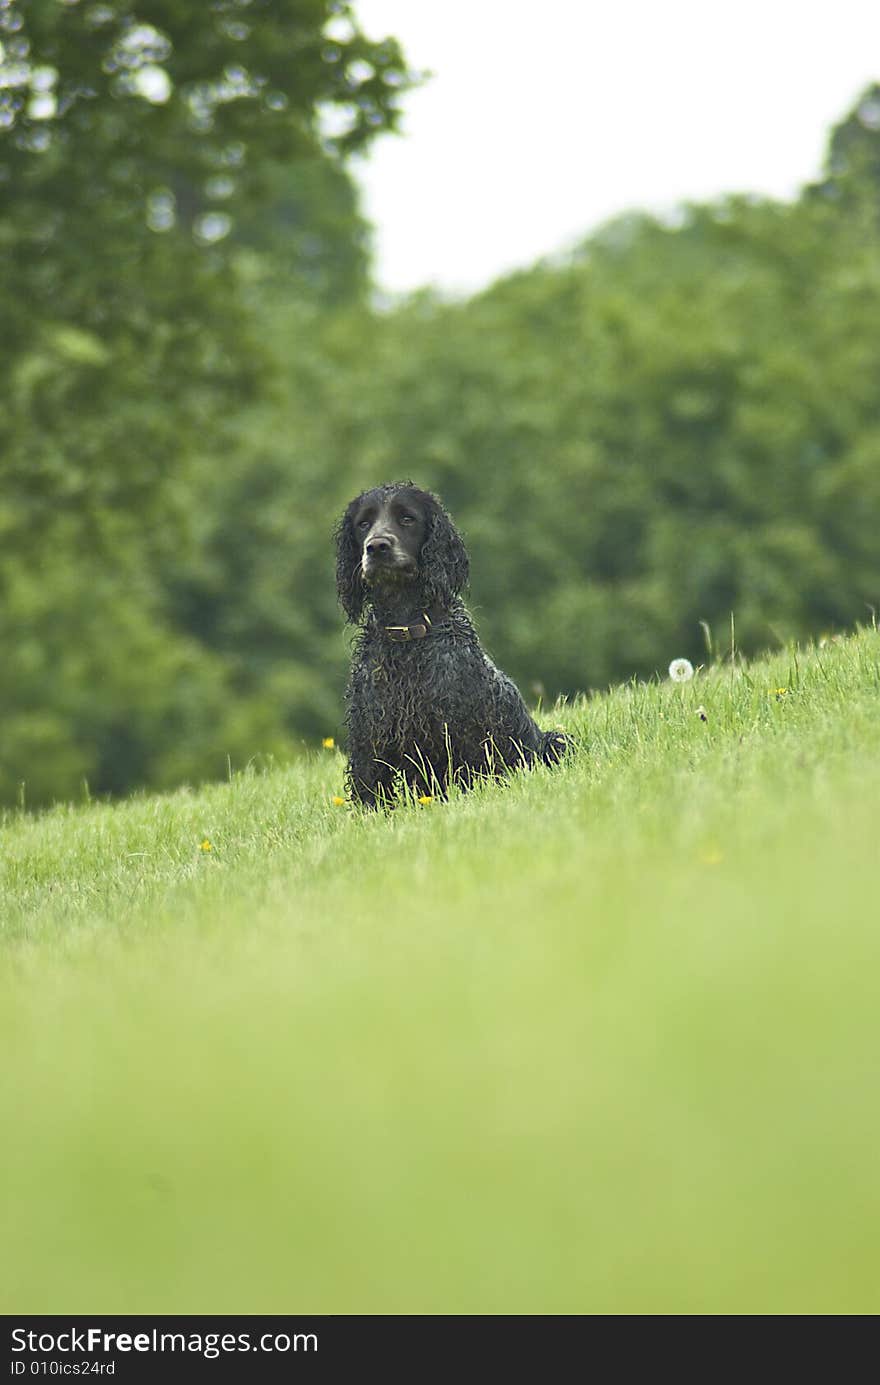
<point x="131" y="137"/>
<point x="147" y="151"/>
<point x="851" y="176"/>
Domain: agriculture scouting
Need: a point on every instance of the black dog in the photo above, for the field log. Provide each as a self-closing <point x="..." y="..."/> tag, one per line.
<point x="425" y="703"/>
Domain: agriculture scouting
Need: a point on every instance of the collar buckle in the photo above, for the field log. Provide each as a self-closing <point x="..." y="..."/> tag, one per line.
<point x="402" y="634"/>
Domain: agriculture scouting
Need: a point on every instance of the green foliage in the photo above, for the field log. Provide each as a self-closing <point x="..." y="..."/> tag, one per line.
<point x="155" y="163"/>
<point x="668" y="431"/>
<point x="674" y="428"/>
<point x="129" y="148"/>
<point x="851" y="180"/>
<point x="601" y="1040"/>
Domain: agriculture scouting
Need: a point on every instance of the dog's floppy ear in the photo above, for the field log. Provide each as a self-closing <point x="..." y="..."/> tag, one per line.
<point x="349" y="579"/>
<point x="443" y="560"/>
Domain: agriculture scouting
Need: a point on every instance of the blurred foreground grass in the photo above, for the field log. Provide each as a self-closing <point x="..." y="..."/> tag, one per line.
<point x="599" y="1041"/>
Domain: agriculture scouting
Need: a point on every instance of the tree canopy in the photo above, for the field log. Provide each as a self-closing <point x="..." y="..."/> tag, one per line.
<point x="676" y="423"/>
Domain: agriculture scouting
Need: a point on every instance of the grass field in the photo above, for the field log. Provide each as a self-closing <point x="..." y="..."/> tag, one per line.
<point x="603" y="1040"/>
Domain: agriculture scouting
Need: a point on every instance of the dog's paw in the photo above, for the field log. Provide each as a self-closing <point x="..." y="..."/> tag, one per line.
<point x="556" y="743"/>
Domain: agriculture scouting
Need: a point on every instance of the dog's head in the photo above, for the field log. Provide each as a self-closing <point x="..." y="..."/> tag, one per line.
<point x="398" y="535"/>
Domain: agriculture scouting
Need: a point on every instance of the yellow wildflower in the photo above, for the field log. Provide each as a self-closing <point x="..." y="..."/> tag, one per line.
<point x="206" y="846"/>
<point x="426" y="798"/>
<point x="328" y="743"/>
<point x="778" y="693"/>
<point x="338" y="802"/>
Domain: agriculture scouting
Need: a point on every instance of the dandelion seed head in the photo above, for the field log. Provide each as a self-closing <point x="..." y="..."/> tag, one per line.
<point x="681" y="670"/>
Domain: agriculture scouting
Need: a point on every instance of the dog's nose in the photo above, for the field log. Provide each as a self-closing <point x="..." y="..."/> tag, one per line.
<point x="378" y="544"/>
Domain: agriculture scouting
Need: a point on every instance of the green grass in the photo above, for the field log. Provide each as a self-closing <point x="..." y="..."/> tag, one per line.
<point x="603" y="1040"/>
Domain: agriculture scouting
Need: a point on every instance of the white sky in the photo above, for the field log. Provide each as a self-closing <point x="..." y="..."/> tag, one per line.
<point x="545" y="117"/>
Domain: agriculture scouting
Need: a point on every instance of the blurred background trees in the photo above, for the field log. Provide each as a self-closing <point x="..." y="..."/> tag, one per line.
<point x="165" y="169"/>
<point x="677" y="422"/>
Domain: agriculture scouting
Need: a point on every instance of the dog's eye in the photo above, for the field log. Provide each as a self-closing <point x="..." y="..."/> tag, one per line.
<point x="407" y="519"/>
<point x="363" y="524"/>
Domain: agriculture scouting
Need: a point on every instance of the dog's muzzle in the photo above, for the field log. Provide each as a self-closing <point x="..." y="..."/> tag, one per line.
<point x="382" y="555"/>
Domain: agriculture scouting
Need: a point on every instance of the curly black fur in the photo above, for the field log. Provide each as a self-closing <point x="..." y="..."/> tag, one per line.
<point x="427" y="711"/>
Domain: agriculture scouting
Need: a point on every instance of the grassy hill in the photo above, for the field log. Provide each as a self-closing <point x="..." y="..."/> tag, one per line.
<point x="602" y="1040"/>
